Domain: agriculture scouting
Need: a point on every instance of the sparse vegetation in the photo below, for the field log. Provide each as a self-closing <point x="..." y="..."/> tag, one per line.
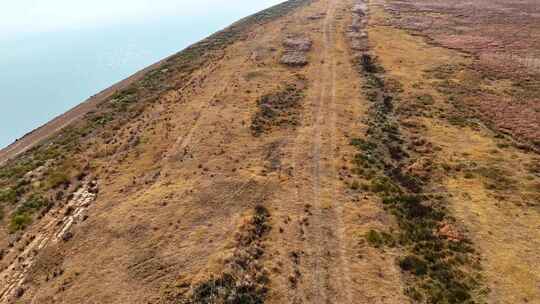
<point x="496" y="179"/>
<point x="279" y="109"/>
<point x="8" y="195"/>
<point x="414" y="265"/>
<point x="474" y="99"/>
<point x="379" y="239"/>
<point x="22" y="217"/>
<point x="57" y="178"/>
<point x="384" y="185"/>
<point x="19" y="222"/>
<point x="439" y="270"/>
<point x="244" y="280"/>
<point x="124" y="105"/>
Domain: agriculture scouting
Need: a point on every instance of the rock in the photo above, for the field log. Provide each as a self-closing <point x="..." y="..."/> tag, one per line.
<point x="81" y="216"/>
<point x="316" y="16"/>
<point x="358" y="24"/>
<point x="359" y="45"/>
<point x="296" y="48"/>
<point x="451" y="233"/>
<point x="360" y="9"/>
<point x="357" y="35"/>
<point x="19" y="292"/>
<point x="302" y="44"/>
<point x="68" y="235"/>
<point x="294" y="59"/>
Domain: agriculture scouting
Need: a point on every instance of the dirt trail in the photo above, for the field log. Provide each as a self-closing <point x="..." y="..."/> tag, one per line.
<point x="326" y="275"/>
<point x="323" y="234"/>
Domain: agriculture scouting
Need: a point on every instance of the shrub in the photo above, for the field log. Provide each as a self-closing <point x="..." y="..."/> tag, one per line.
<point x="374" y="238"/>
<point x="368" y="64"/>
<point x="378" y="239"/>
<point x="384" y="185"/>
<point x="227" y="289"/>
<point x="19" y="222"/>
<point x="414" y="264"/>
<point x="8" y="195"/>
<point x="363" y="144"/>
<point x="260" y="219"/>
<point x="57" y="178"/>
<point x="32" y="204"/>
<point x="414" y="294"/>
<point x="442" y="271"/>
<point x="468" y="175"/>
<point x="277" y="109"/>
<point x="496" y="178"/>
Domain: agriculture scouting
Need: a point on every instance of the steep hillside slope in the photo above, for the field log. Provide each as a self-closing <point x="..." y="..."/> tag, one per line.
<point x="321" y="151"/>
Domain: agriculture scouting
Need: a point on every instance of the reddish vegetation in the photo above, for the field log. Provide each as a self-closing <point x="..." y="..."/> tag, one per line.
<point x="520" y="119"/>
<point x="503" y="37"/>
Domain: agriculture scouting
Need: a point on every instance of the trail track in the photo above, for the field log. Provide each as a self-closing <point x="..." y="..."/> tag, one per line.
<point x="326" y="272"/>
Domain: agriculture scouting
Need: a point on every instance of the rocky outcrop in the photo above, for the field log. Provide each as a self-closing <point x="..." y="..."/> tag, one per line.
<point x="358" y="29"/>
<point x="296" y="49"/>
<point x="56" y="226"/>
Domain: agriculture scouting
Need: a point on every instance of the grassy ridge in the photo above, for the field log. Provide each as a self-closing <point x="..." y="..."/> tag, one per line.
<point x="60" y="155"/>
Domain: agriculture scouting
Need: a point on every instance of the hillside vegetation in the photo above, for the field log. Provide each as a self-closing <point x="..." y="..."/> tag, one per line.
<point x="320" y="151"/>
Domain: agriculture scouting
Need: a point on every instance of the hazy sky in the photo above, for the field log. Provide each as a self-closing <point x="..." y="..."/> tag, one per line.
<point x="56" y="53"/>
<point x="53" y="15"/>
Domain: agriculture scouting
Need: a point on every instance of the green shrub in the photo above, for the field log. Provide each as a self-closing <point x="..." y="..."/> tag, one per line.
<point x="8" y="195"/>
<point x="22" y="217"/>
<point x="32" y="204"/>
<point x="363" y="144"/>
<point x="378" y="239"/>
<point x="384" y="185"/>
<point x="374" y="238"/>
<point x="442" y="271"/>
<point x="57" y="178"/>
<point x="20" y="222"/>
<point x="414" y="294"/>
<point x="31" y="160"/>
<point x="414" y="264"/>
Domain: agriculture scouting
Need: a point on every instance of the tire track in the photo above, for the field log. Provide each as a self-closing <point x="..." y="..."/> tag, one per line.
<point x="329" y="276"/>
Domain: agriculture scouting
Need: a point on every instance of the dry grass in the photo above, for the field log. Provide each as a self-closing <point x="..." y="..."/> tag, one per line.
<point x="500" y="220"/>
<point x="181" y="173"/>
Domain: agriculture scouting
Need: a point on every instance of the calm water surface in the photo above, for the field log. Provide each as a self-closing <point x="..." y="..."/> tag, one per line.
<point x="43" y="75"/>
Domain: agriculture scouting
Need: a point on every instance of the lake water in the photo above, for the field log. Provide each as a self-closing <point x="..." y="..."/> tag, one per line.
<point x="44" y="74"/>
